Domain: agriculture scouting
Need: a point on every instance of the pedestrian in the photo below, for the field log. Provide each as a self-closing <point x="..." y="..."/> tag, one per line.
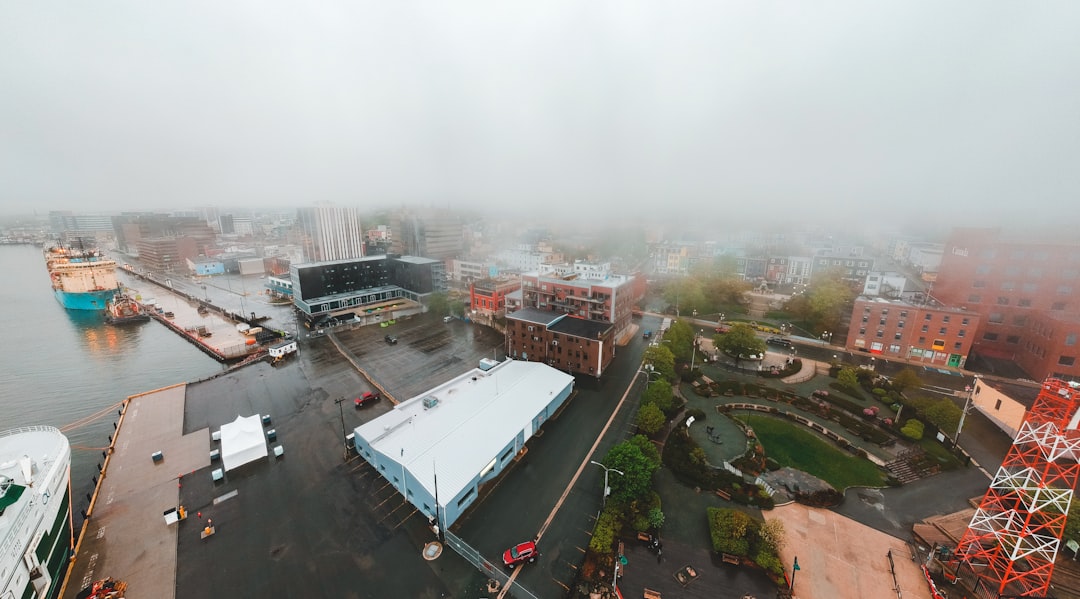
<point x="659" y="556"/>
<point x="199" y="514"/>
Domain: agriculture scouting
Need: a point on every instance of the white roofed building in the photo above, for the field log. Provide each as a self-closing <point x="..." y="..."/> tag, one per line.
<point x="461" y="434"/>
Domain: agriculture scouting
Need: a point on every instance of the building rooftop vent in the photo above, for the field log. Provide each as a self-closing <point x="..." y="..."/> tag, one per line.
<point x="430" y="402"/>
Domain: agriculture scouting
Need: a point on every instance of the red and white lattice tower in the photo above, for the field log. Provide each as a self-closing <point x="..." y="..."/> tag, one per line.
<point x="1014" y="536"/>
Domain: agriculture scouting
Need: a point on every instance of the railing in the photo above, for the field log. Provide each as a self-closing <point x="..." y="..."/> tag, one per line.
<point x="493" y="571"/>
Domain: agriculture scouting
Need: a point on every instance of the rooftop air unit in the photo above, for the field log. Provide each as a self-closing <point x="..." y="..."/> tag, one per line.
<point x="430" y="402"/>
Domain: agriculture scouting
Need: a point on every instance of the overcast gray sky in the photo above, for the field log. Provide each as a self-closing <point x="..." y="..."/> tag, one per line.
<point x="933" y="109"/>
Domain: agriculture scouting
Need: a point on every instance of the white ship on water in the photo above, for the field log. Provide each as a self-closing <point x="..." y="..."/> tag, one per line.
<point x="35" y="511"/>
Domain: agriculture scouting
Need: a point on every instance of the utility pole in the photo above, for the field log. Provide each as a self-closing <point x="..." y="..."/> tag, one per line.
<point x="344" y="436"/>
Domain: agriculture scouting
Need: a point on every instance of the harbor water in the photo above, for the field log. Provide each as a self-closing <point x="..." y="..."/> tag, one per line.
<point x="63" y="367"/>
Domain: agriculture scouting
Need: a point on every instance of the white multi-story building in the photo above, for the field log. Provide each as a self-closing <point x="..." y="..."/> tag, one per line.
<point x="331" y="233"/>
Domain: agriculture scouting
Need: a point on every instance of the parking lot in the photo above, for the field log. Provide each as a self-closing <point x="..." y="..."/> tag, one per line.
<point x="428" y="351"/>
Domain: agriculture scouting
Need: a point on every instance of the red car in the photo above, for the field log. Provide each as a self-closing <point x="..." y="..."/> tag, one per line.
<point x="519" y="554"/>
<point x="366" y="398"/>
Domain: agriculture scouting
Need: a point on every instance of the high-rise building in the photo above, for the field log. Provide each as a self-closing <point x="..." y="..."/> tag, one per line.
<point x="1025" y="291"/>
<point x="437" y="236"/>
<point x="330" y="232"/>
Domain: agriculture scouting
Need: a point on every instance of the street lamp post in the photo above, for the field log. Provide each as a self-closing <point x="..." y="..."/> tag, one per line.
<point x="826" y="337"/>
<point x="603" y="499"/>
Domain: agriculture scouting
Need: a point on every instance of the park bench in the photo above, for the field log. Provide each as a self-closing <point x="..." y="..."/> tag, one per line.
<point x="729" y="558"/>
<point x="651" y="594"/>
<point x="723" y="494"/>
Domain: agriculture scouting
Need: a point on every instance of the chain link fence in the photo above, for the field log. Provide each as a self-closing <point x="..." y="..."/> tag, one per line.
<point x="493" y="571"/>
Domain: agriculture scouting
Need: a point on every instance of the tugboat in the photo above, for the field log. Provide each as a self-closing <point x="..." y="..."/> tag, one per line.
<point x="123" y="309"/>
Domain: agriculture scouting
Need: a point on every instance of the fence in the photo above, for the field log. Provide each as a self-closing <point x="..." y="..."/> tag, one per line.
<point x="493" y="571"/>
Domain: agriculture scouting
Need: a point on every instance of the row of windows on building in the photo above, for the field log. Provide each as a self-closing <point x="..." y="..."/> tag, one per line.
<point x="1020" y="302"/>
<point x="946" y="318"/>
<point x="1025" y="287"/>
<point x="1034" y="273"/>
<point x="1019" y="254"/>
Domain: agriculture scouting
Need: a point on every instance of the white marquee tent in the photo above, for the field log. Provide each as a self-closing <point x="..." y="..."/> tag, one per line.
<point x="242" y="441"/>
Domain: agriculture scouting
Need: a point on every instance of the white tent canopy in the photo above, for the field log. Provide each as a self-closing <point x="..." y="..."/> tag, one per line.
<point x="242" y="441"/>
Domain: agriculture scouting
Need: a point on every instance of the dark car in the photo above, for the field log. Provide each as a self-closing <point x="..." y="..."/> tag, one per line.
<point x="392" y="340"/>
<point x="778" y="341"/>
<point x="646" y="335"/>
<point x="519" y="554"/>
<point x="365" y="398"/>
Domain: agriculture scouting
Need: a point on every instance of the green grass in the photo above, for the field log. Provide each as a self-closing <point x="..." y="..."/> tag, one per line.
<point x="940" y="453"/>
<point x="792" y="445"/>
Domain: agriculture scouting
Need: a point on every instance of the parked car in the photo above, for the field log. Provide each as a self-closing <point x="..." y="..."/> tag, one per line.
<point x="447" y="318"/>
<point x="779" y="341"/>
<point x="646" y="335"/>
<point x="519" y="554"/>
<point x="722" y="329"/>
<point x="365" y="398"/>
<point x="392" y="340"/>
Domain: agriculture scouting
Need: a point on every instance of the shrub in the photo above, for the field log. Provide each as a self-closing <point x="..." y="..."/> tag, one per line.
<point x="913" y="429"/>
<point x="879" y="393"/>
<point x="650" y="419"/>
<point x="607" y="528"/>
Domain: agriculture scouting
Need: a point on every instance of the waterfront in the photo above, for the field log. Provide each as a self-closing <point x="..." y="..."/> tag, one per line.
<point x="61" y="366"/>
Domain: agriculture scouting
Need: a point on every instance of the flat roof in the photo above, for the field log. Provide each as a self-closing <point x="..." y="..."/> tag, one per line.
<point x="580" y="327"/>
<point x="536" y="316"/>
<point x="417" y="260"/>
<point x="477" y="414"/>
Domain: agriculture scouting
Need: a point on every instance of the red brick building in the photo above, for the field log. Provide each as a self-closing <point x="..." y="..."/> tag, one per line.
<point x="585" y="292"/>
<point x="1024" y="290"/>
<point x="932" y="334"/>
<point x="487" y="297"/>
<point x="561" y="341"/>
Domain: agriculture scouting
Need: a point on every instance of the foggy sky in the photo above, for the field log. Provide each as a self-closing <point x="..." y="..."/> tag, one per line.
<point x="966" y="111"/>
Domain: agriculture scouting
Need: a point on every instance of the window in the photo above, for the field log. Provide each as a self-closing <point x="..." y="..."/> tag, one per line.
<point x="900" y="325"/>
<point x="1029" y="288"/>
<point x="974" y="298"/>
<point x="1070" y="339"/>
<point x="897" y="336"/>
<point x="862" y="330"/>
<point x="978" y="284"/>
<point x="1058" y="306"/>
<point x="996" y="318"/>
<point x="945" y="318"/>
<point x="880" y="333"/>
<point x="881" y="322"/>
<point x="1019" y="321"/>
<point x="1069" y="274"/>
<point x="957" y="346"/>
<point x="1013" y="339"/>
<point x="1002" y="301"/>
<point x="884" y="312"/>
<point x="961" y="333"/>
<point x="939" y="344"/>
<point x="928" y="316"/>
<point x="925" y="328"/>
<point x="943" y="331"/>
<point x="1024" y="303"/>
<point x="982" y="269"/>
<point x="903" y="314"/>
<point x="965" y="321"/>
<point x="990" y="336"/>
<point x="1066" y="361"/>
<point x="865" y="318"/>
<point x="922" y="340"/>
<point x="1008" y="286"/>
<point x="894" y="349"/>
<point x="1064" y="289"/>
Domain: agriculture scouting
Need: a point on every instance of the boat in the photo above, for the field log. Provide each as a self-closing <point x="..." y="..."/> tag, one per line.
<point x="81" y="279"/>
<point x="123" y="309"/>
<point x="35" y="511"/>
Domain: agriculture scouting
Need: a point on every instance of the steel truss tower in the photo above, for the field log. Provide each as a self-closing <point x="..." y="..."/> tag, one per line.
<point x="1013" y="538"/>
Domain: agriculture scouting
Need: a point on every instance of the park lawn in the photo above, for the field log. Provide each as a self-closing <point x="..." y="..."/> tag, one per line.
<point x="793" y="446"/>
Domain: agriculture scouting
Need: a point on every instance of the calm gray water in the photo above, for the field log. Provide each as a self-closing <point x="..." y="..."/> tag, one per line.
<point x="60" y="366"/>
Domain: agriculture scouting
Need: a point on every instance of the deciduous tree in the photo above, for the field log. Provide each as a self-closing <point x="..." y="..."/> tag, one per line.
<point x="739" y="341"/>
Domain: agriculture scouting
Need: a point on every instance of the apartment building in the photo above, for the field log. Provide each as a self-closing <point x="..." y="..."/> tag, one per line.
<point x="562" y="341"/>
<point x="933" y="334"/>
